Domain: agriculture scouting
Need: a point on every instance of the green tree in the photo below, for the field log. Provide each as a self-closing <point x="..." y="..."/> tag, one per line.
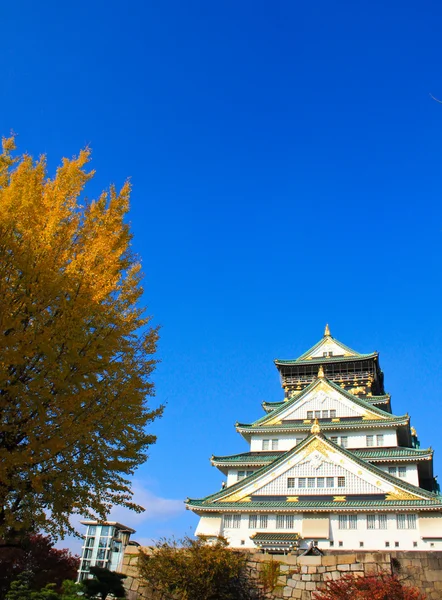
<point x="194" y="570"/>
<point x="75" y="348"/>
<point x="104" y="582"/>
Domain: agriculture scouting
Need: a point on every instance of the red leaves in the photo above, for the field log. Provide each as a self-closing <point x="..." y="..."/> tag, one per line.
<point x="370" y="587"/>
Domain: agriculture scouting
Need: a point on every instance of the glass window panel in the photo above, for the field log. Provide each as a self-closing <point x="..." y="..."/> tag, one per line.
<point x="332" y="414"/>
<point x="325" y="414"/>
<point x="371" y="521"/>
<point x="274" y="444"/>
<point x="301" y="482"/>
<point x="344" y="441"/>
<point x="379" y="440"/>
<point x="309" y="414"/>
<point x="92" y="530"/>
<point x="310" y="482"/>
<point x="227" y="521"/>
<point x="402" y="471"/>
<point x="342" y="523"/>
<point x="103" y="543"/>
<point x="290" y="482"/>
<point x="90" y="542"/>
<point x="320" y="482"/>
<point x="382" y="519"/>
<point x="369" y="440"/>
<point x="334" y="439"/>
<point x="265" y="444"/>
<point x="236" y="524"/>
<point x="106" y="530"/>
<point x="411" y="521"/>
<point x="317" y="414"/>
<point x="263" y="521"/>
<point x="330" y="482"/>
<point x="241" y="475"/>
<point x="401" y="521"/>
<point x="253" y="521"/>
<point x="352" y="521"/>
<point x="289" y="522"/>
<point x="280" y="521"/>
<point x="392" y="470"/>
<point x="341" y="481"/>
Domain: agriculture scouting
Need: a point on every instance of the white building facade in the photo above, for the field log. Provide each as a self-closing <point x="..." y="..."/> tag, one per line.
<point x="329" y="464"/>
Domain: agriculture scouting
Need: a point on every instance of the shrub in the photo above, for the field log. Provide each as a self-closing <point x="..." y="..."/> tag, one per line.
<point x="370" y="587"/>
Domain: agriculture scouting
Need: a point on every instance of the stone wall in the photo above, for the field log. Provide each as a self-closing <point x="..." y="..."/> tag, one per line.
<point x="299" y="576"/>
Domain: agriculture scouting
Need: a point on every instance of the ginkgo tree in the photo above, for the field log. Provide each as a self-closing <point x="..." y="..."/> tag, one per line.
<point x="76" y="347"/>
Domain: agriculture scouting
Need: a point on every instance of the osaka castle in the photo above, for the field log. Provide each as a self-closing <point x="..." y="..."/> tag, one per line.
<point x="329" y="465"/>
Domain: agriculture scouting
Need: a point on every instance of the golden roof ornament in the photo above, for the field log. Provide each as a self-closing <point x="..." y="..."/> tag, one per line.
<point x="315" y="427"/>
<point x="321" y="372"/>
<point x="327" y="331"/>
<point x="413" y="432"/>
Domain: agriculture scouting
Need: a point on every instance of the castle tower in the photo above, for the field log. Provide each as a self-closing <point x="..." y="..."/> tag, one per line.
<point x="329" y="463"/>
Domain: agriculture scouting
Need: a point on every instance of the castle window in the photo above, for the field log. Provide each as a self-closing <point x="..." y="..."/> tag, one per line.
<point x="402" y="471"/>
<point x="253" y="521"/>
<point x="310" y="482"/>
<point x="334" y="439"/>
<point x="330" y="482"/>
<point x="332" y="414"/>
<point x="344" y="441"/>
<point x="289" y="521"/>
<point x="392" y="470"/>
<point x="370" y="440"/>
<point x="377" y="521"/>
<point x="274" y="444"/>
<point x="291" y="482"/>
<point x="317" y="414"/>
<point x="263" y="521"/>
<point x="341" y="481"/>
<point x="406" y="521"/>
<point x="343" y="522"/>
<point x="379" y="440"/>
<point x="280" y="522"/>
<point x="320" y="482"/>
<point x="227" y="521"/>
<point x="241" y="475"/>
<point x="301" y="482"/>
<point x="309" y="414"/>
<point x="352" y="521"/>
<point x="265" y="444"/>
<point x="325" y="414"/>
<point x="236" y="524"/>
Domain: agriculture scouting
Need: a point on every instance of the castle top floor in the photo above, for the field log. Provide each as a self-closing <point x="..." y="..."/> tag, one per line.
<point x="357" y="373"/>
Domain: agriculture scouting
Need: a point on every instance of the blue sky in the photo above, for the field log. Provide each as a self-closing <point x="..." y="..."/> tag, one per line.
<point x="286" y="166"/>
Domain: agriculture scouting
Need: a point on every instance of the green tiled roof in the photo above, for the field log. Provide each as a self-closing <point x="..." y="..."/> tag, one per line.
<point x="393" y="453"/>
<point x="293" y="401"/>
<point x="323" y="359"/>
<point x="263" y="470"/>
<point x="260" y="458"/>
<point x="329" y="426"/>
<point x="316" y="505"/>
<point x="268" y="406"/>
<point x="275" y="537"/>
<point x="318" y="344"/>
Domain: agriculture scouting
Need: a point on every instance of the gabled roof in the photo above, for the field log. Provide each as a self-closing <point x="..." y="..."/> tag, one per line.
<point x="241" y="491"/>
<point x="384" y="399"/>
<point x="327" y="341"/>
<point x="378" y="454"/>
<point x="269" y="418"/>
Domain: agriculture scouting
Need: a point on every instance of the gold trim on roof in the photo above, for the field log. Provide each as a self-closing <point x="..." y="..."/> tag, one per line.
<point x="327" y="331"/>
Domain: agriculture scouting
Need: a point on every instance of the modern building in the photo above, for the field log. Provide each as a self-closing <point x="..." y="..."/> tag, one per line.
<point x="329" y="464"/>
<point x="104" y="545"/>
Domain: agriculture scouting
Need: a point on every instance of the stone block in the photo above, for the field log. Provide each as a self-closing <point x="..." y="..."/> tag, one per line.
<point x="296" y="593"/>
<point x="431" y="575"/>
<point x="304" y="569"/>
<point x="287" y="592"/>
<point x="371" y="569"/>
<point x="310" y="585"/>
<point x="291" y="583"/>
<point x="300" y="585"/>
<point x="310" y="560"/>
<point x="306" y="577"/>
<point x="328" y="576"/>
<point x="321" y="569"/>
<point x="329" y="560"/>
<point x="343" y="567"/>
<point x="346" y="558"/>
<point x="316" y="577"/>
<point x="283" y="568"/>
<point x="356" y="567"/>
